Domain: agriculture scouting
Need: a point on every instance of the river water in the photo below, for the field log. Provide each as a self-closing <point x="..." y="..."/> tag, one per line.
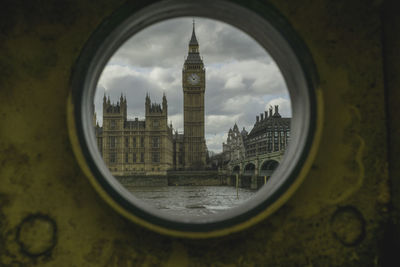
<point x="192" y="200"/>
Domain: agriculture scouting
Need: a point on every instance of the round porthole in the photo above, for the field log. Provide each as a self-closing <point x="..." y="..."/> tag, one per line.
<point x="129" y="159"/>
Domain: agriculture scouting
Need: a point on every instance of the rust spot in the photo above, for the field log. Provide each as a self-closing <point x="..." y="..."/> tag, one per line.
<point x="348" y="225"/>
<point x="37" y="235"/>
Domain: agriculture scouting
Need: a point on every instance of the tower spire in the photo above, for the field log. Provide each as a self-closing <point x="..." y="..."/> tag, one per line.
<point x="193" y="55"/>
<point x="193" y="40"/>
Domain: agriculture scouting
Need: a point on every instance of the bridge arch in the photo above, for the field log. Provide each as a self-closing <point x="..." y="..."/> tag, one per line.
<point x="249" y="169"/>
<point x="268" y="167"/>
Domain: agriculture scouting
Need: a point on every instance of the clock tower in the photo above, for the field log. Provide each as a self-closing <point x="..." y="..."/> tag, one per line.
<point x="194" y="84"/>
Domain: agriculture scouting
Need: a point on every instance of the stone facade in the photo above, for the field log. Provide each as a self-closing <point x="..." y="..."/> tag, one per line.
<point x="179" y="151"/>
<point x="135" y="146"/>
<point x="234" y="148"/>
<point x="270" y="133"/>
<point x="149" y="146"/>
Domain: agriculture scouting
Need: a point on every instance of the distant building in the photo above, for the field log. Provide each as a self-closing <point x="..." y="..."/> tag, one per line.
<point x="179" y="151"/>
<point x="234" y="148"/>
<point x="270" y="133"/>
<point x="260" y="151"/>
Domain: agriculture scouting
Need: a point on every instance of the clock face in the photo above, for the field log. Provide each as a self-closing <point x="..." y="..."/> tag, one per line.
<point x="193" y="78"/>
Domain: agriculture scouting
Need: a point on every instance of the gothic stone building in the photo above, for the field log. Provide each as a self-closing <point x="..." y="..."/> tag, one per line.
<point x="135" y="146"/>
<point x="149" y="146"/>
<point x="234" y="148"/>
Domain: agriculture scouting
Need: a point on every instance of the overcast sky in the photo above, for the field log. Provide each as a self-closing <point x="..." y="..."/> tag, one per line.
<point x="241" y="78"/>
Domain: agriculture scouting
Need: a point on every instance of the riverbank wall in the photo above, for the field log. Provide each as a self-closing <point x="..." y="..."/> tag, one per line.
<point x="194" y="178"/>
<point x="141" y="180"/>
<point x="176" y="178"/>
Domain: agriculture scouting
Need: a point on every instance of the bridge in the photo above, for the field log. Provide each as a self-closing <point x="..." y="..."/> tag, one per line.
<point x="254" y="171"/>
<point x="260" y="165"/>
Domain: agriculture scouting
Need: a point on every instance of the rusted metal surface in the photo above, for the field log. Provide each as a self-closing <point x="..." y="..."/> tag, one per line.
<point x="51" y="216"/>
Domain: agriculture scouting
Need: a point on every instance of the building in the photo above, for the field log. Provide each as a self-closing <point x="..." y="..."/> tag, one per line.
<point x="149" y="146"/>
<point x="179" y="151"/>
<point x="135" y="146"/>
<point x="234" y="148"/>
<point x="260" y="151"/>
<point x="270" y="133"/>
<point x="194" y="84"/>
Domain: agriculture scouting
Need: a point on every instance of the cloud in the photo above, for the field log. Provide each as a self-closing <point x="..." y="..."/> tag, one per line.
<point x="234" y="82"/>
<point x="164" y="44"/>
<point x="241" y="78"/>
<point x="284" y="106"/>
<point x="214" y="142"/>
<point x="216" y="124"/>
